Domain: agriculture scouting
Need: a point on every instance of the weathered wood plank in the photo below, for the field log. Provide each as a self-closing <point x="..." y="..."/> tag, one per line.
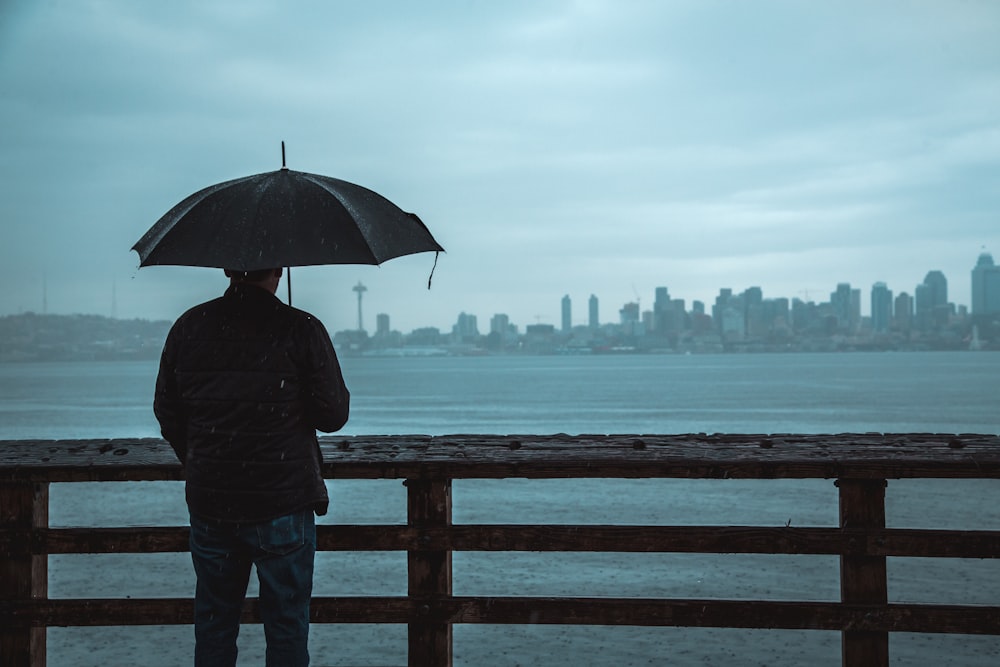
<point x="429" y="573"/>
<point x="24" y="508"/>
<point x="129" y="459"/>
<point x="727" y="614"/>
<point x="863" y="578"/>
<point x="545" y="537"/>
<point x="952" y="619"/>
<point x="696" y="456"/>
<point x="873" y="456"/>
<point x="133" y="539"/>
<point x="717" y="539"/>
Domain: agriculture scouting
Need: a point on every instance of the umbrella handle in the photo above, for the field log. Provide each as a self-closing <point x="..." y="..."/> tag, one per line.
<point x="288" y="269"/>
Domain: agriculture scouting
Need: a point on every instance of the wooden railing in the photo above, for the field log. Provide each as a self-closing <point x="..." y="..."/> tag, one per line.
<point x="860" y="464"/>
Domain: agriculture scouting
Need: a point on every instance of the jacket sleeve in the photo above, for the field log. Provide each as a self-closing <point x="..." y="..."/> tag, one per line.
<point x="166" y="401"/>
<point x="326" y="396"/>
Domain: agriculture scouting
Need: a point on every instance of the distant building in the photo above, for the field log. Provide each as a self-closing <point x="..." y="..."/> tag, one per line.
<point x="661" y="311"/>
<point x="846" y="304"/>
<point x="985" y="287"/>
<point x="931" y="301"/>
<point x="503" y="334"/>
<point x="902" y="316"/>
<point x="753" y="312"/>
<point x="499" y="324"/>
<point x="646" y="325"/>
<point x="855" y="314"/>
<point x="777" y="316"/>
<point x="805" y="316"/>
<point x="567" y="314"/>
<point x="722" y="302"/>
<point x="382" y="324"/>
<point x="881" y="308"/>
<point x="593" y="319"/>
<point x="732" y="324"/>
<point x="425" y="336"/>
<point x="466" y="329"/>
<point x="669" y="316"/>
<point x="631" y="319"/>
<point x="629" y="314"/>
<point x="539" y="330"/>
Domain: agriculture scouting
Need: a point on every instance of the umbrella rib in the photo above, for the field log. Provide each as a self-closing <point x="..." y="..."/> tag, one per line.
<point x="152" y="238"/>
<point x="346" y="204"/>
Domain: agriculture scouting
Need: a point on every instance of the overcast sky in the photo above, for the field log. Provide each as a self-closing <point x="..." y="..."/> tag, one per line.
<point x="601" y="147"/>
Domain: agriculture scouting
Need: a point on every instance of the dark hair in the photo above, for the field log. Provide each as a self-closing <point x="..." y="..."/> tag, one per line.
<point x="250" y="276"/>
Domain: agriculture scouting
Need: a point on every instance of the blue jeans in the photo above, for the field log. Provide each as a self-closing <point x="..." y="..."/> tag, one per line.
<point x="283" y="550"/>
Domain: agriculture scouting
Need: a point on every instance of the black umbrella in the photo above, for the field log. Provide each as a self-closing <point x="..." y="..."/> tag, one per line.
<point x="283" y="218"/>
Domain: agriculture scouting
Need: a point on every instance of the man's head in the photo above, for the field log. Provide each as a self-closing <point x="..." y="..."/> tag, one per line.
<point x="265" y="278"/>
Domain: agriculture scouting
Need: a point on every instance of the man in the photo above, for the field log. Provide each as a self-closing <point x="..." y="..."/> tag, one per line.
<point x="245" y="382"/>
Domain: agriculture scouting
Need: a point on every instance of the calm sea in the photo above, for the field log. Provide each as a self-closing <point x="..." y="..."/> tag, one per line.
<point x="767" y="393"/>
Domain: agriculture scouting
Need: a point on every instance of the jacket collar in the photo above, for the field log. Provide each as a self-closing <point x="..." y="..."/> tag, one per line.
<point x="250" y="293"/>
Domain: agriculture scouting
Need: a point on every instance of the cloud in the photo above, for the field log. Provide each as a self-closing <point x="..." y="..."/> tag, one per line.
<point x="552" y="147"/>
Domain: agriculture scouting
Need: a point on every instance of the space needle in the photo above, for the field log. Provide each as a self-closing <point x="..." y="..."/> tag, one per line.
<point x="360" y="289"/>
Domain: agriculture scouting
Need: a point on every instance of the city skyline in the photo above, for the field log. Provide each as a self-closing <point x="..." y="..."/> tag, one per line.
<point x="593" y="305"/>
<point x="590" y="311"/>
<point x="580" y="310"/>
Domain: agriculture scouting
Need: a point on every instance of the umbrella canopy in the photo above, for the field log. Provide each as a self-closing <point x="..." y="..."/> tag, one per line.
<point x="283" y="218"/>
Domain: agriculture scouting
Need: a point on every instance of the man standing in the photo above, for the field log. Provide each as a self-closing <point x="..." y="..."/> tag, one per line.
<point x="245" y="382"/>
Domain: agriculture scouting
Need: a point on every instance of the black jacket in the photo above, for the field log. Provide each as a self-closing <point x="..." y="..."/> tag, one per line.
<point x="244" y="383"/>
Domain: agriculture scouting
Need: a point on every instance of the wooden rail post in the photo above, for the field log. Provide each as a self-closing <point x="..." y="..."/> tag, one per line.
<point x="429" y="573"/>
<point x="863" y="577"/>
<point x="24" y="506"/>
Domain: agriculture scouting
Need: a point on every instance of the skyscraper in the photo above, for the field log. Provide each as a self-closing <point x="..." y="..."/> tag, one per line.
<point x="722" y="302"/>
<point x="661" y="310"/>
<point x="466" y="329"/>
<point x="567" y="314"/>
<point x="500" y="324"/>
<point x="985" y="287"/>
<point x="753" y="312"/>
<point x="881" y="307"/>
<point x="903" y="312"/>
<point x="629" y="313"/>
<point x="842" y="302"/>
<point x="931" y="298"/>
<point x="594" y="321"/>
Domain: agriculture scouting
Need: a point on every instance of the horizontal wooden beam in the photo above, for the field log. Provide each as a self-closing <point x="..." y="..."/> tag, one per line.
<point x="563" y="538"/>
<point x="538" y="610"/>
<point x="470" y="456"/>
<point x="728" y="614"/>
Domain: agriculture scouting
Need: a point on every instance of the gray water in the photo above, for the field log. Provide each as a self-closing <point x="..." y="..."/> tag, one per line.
<point x="766" y="393"/>
<point x="805" y="393"/>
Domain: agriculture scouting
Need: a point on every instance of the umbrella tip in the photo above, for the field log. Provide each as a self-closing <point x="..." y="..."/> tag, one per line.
<point x="283" y="156"/>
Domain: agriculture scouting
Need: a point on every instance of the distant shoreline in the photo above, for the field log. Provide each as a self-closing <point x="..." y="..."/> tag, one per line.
<point x="32" y="337"/>
<point x="154" y="354"/>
